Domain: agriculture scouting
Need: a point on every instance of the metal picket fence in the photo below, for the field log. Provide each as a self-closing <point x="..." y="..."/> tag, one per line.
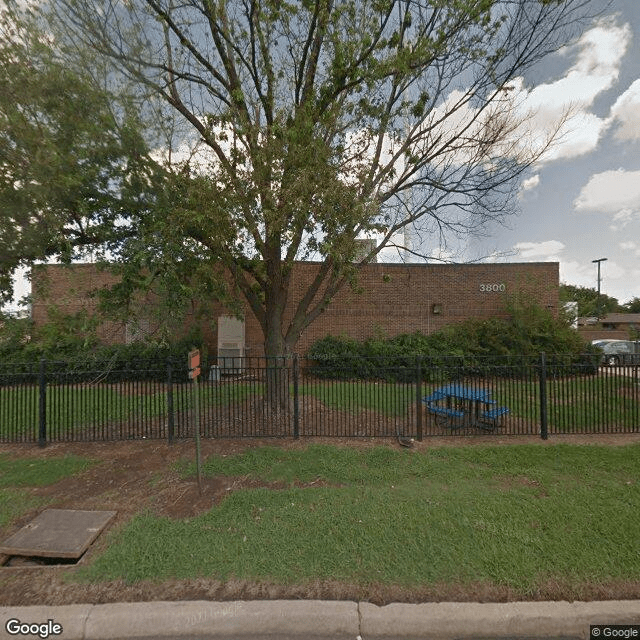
<point x="294" y="397"/>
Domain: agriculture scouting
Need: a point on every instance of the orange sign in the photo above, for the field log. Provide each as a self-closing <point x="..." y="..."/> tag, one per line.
<point x="194" y="373"/>
<point x="194" y="359"/>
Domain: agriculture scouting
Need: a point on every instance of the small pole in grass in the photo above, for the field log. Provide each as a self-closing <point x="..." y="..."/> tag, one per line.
<point x="544" y="427"/>
<point x="42" y="407"/>
<point x="419" y="398"/>
<point x="296" y="408"/>
<point x="194" y="372"/>
<point x="171" y="424"/>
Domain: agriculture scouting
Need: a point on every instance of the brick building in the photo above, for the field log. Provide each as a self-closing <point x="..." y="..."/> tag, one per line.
<point x="615" y="326"/>
<point x="394" y="299"/>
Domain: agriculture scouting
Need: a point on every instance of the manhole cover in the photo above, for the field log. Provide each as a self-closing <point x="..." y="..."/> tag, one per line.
<point x="58" y="533"/>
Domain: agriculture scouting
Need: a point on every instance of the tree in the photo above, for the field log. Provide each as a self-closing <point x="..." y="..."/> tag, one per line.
<point x="589" y="305"/>
<point x="305" y="126"/>
<point x="67" y="162"/>
<point x="633" y="306"/>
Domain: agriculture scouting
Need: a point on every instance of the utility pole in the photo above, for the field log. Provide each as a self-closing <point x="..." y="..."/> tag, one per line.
<point x="598" y="261"/>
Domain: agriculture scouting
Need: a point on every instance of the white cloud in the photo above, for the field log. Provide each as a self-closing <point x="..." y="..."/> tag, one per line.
<point x="614" y="278"/>
<point x="546" y="251"/>
<point x="599" y="54"/>
<point x="611" y="270"/>
<point x="635" y="276"/>
<point x="565" y="102"/>
<point x="580" y="274"/>
<point x="630" y="246"/>
<point x="616" y="193"/>
<point x="578" y="135"/>
<point x="531" y="183"/>
<point x="624" y="217"/>
<point x="22" y="287"/>
<point x="626" y="113"/>
<point x="601" y="50"/>
<point x="199" y="155"/>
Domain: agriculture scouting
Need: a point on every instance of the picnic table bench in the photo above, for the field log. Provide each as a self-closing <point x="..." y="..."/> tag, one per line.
<point x="464" y="407"/>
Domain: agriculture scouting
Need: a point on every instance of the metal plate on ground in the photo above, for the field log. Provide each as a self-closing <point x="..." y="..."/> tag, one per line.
<point x="58" y="533"/>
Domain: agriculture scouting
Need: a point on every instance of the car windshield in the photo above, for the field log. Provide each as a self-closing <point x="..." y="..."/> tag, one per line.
<point x="603" y="343"/>
<point x="619" y="347"/>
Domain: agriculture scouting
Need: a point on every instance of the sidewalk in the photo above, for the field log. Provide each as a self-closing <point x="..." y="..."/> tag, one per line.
<point x="317" y="620"/>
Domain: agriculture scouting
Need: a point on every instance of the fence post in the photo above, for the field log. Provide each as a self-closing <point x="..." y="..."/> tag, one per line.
<point x="544" y="427"/>
<point x="171" y="426"/>
<point x="296" y="409"/>
<point x="42" y="409"/>
<point x="419" y="398"/>
<point x="635" y="386"/>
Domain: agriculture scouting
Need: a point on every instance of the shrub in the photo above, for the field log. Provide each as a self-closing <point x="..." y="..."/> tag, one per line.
<point x="70" y="346"/>
<point x="468" y="348"/>
<point x="15" y="334"/>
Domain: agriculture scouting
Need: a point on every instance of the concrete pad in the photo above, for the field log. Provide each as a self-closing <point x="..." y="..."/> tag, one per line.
<point x="492" y="620"/>
<point x="284" y="620"/>
<point x="58" y="533"/>
<point x="71" y="618"/>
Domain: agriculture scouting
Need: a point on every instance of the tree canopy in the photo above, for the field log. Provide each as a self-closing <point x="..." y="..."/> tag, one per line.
<point x="589" y="304"/>
<point x="633" y="306"/>
<point x="287" y="131"/>
<point x="66" y="159"/>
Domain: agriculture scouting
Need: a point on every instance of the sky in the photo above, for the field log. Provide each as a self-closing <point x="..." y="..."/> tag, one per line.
<point x="581" y="201"/>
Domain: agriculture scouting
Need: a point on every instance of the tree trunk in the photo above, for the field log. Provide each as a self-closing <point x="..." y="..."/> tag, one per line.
<point x="278" y="364"/>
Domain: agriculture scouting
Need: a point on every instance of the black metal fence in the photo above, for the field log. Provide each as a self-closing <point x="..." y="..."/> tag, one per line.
<point x="293" y="397"/>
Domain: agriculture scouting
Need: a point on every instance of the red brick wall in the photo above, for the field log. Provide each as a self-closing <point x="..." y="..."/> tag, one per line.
<point x="395" y="298"/>
<point x="400" y="298"/>
<point x="67" y="287"/>
<point x="590" y="334"/>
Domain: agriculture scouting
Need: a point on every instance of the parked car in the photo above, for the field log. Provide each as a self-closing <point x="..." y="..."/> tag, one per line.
<point x="619" y="352"/>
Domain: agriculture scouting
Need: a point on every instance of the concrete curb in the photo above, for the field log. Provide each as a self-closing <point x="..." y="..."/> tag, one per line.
<point x="493" y="620"/>
<point x="282" y="619"/>
<point x="322" y="620"/>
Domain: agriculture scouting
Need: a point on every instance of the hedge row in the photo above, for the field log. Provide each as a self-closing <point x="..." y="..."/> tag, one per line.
<point x="72" y="351"/>
<point x="482" y="348"/>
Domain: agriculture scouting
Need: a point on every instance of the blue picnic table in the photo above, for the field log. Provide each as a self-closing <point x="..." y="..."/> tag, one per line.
<point x="455" y="406"/>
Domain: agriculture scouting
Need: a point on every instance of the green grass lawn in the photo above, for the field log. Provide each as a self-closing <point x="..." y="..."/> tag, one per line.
<point x="573" y="404"/>
<point x="17" y="474"/>
<point x="72" y="408"/>
<point x="386" y="398"/>
<point x="515" y="516"/>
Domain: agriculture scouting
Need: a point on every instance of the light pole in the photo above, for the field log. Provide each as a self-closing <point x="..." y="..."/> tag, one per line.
<point x="598" y="261"/>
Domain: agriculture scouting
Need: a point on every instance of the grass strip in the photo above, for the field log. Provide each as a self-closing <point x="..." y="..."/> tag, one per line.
<point x="16" y="474"/>
<point x="15" y="502"/>
<point x="39" y="472"/>
<point x="510" y="516"/>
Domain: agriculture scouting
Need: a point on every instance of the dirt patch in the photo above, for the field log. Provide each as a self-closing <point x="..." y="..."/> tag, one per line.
<point x="137" y="477"/>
